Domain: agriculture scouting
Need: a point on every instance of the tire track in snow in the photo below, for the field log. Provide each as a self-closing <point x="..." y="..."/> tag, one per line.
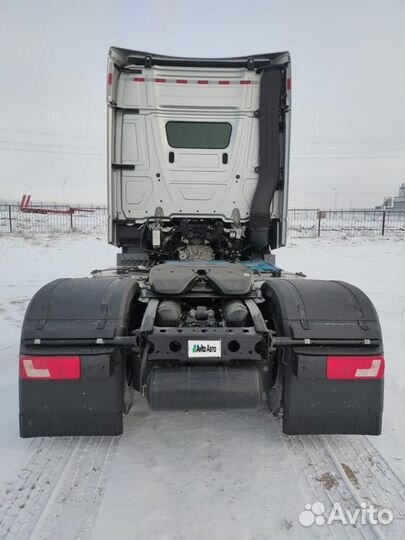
<point x="349" y="470"/>
<point x="323" y="484"/>
<point x="29" y="492"/>
<point x="379" y="484"/>
<point x="58" y="492"/>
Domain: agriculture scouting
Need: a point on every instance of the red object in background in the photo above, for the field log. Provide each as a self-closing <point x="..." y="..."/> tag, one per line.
<point x="25" y="206"/>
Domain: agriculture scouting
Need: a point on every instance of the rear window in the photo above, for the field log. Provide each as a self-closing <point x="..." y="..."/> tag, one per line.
<point x="211" y="135"/>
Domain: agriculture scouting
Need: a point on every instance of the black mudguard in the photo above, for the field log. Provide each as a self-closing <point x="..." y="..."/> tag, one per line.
<point x="325" y="310"/>
<point x="76" y="313"/>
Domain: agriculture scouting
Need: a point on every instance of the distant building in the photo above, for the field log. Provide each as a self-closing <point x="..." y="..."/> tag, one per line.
<point x="396" y="203"/>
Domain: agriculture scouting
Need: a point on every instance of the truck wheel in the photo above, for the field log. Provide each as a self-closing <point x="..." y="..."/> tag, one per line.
<point x="275" y="394"/>
<point x="129" y="391"/>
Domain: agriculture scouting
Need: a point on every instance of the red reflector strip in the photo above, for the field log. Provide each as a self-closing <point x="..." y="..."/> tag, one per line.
<point x="355" y="367"/>
<point x="110" y="78"/>
<point x="192" y="81"/>
<point x="49" y="367"/>
<point x="288" y="84"/>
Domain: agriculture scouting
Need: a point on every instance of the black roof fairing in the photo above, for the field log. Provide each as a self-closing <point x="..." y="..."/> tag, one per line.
<point x="124" y="58"/>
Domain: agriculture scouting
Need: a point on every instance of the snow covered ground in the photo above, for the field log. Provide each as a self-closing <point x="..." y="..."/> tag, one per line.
<point x="194" y="476"/>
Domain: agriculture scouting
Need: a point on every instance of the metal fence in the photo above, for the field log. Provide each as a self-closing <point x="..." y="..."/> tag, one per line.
<point x="54" y="219"/>
<point x="302" y="223"/>
<point x="315" y="223"/>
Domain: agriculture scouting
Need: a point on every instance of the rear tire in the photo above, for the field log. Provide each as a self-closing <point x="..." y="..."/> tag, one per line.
<point x="274" y="396"/>
<point x="129" y="392"/>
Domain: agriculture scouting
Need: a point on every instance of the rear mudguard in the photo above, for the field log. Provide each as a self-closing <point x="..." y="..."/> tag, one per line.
<point x="325" y="310"/>
<point x="76" y="314"/>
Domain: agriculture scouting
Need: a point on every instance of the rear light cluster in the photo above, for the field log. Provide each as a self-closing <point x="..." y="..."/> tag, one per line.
<point x="355" y="367"/>
<point x="46" y="368"/>
<point x="68" y="367"/>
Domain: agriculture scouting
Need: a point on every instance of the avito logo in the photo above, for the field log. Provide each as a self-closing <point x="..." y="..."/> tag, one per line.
<point x="200" y="348"/>
<point x="209" y="347"/>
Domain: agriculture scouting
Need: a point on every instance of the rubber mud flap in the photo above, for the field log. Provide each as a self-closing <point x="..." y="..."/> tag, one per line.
<point x="322" y="406"/>
<point x="89" y="309"/>
<point x="325" y="310"/>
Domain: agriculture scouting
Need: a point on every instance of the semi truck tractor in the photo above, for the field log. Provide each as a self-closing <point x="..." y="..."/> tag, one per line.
<point x="195" y="314"/>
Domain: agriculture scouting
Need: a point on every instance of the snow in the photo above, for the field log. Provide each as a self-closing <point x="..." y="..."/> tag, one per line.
<point x="377" y="266"/>
<point x="193" y="476"/>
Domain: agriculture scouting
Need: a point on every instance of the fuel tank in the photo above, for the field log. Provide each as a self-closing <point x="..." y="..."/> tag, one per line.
<point x="204" y="388"/>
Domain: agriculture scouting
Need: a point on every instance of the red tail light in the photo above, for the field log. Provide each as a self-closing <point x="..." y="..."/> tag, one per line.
<point x="49" y="367"/>
<point x="355" y="367"/>
<point x="244" y="81"/>
<point x="289" y="85"/>
<point x="110" y="78"/>
<point x="139" y="79"/>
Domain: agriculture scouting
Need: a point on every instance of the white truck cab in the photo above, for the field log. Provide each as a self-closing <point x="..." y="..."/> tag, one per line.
<point x="198" y="145"/>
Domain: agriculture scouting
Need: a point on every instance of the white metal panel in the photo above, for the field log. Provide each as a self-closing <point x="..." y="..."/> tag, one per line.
<point x="198" y="181"/>
<point x="168" y="88"/>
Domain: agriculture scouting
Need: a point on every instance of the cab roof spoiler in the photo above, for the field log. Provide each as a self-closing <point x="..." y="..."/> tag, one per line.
<point x="126" y="58"/>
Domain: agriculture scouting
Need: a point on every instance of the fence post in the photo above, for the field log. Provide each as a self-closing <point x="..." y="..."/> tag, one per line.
<point x="9" y="218"/>
<point x="319" y="223"/>
<point x="383" y="224"/>
<point x="71" y="220"/>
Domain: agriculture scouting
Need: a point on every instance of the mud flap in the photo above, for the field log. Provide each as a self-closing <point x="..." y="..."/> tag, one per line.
<point x="74" y="317"/>
<point x="322" y="311"/>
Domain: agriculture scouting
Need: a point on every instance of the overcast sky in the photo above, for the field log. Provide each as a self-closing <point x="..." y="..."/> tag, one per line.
<point x="348" y="61"/>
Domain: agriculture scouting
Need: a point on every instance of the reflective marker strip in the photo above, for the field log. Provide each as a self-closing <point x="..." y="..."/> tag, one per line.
<point x="369" y="372"/>
<point x="35" y="373"/>
<point x="193" y="81"/>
